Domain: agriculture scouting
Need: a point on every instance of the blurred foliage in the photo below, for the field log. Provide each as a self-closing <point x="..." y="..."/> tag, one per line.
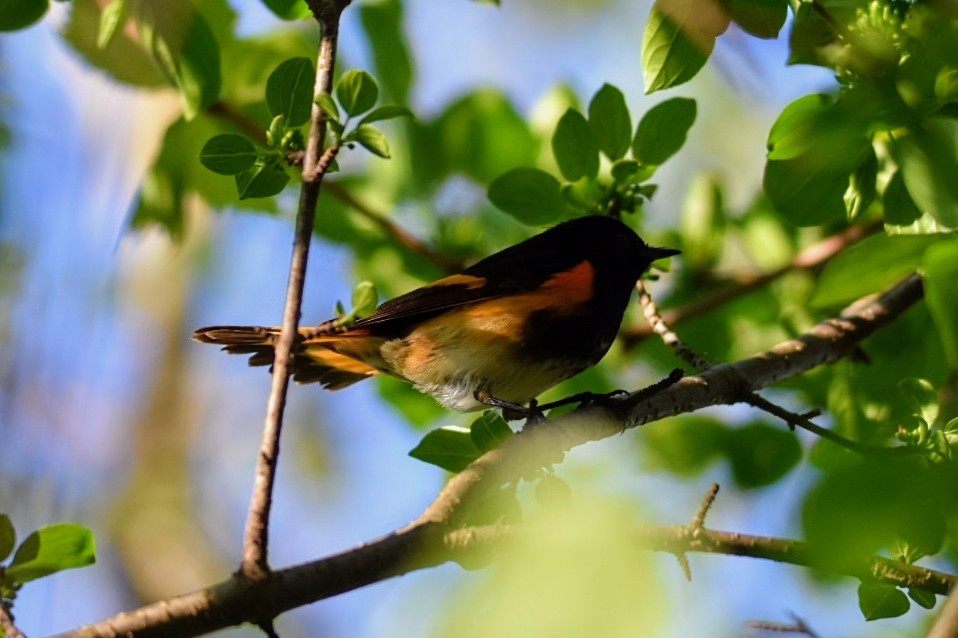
<point x="881" y="151"/>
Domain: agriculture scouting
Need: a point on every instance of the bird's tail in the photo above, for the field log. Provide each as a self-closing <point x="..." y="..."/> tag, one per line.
<point x="332" y="360"/>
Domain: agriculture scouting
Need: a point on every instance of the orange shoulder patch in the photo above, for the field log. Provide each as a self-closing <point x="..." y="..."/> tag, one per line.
<point x="577" y="284"/>
<point x="468" y="281"/>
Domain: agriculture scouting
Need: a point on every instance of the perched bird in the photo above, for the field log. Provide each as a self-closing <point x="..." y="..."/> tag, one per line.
<point x="499" y="333"/>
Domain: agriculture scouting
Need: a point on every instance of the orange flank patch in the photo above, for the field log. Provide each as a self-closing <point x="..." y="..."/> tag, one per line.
<point x="356" y="354"/>
<point x="468" y="281"/>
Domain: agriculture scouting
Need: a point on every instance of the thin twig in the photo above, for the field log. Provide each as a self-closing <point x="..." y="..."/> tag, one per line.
<point x="797" y="627"/>
<point x="6" y="623"/>
<point x="809" y="259"/>
<point x="698" y="521"/>
<point x="402" y="238"/>
<point x="255" y="564"/>
<point x="671" y="339"/>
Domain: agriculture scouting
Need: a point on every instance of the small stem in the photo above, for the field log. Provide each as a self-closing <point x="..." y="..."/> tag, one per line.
<point x="255" y="564"/>
<point x="7" y="624"/>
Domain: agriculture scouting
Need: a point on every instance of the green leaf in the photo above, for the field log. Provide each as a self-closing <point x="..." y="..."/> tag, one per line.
<point x="52" y="549"/>
<point x="289" y="9"/>
<point x="489" y="431"/>
<point x="289" y="91"/>
<point x="383" y="22"/>
<point x="629" y="171"/>
<point x="809" y="36"/>
<point x="450" y="447"/>
<point x="371" y="139"/>
<point x="923" y="398"/>
<point x="869" y="266"/>
<point x="123" y="59"/>
<point x="183" y="47"/>
<point x="365" y="299"/>
<point x="686" y="448"/>
<point x="228" y="154"/>
<point x="928" y="159"/>
<point x="810" y="189"/>
<point x="794" y="130"/>
<point x="328" y="106"/>
<point x="761" y="454"/>
<point x="662" y="130"/>
<point x="265" y="179"/>
<point x="386" y="112"/>
<point x="574" y="148"/>
<point x="881" y="601"/>
<point x="357" y="92"/>
<point x="940" y="272"/>
<point x="530" y="195"/>
<point x="678" y="39"/>
<point x="113" y="17"/>
<point x="898" y="205"/>
<point x="18" y="14"/>
<point x="610" y="122"/>
<point x="8" y="536"/>
<point x="861" y="185"/>
<point x="761" y="18"/>
<point x="924" y="598"/>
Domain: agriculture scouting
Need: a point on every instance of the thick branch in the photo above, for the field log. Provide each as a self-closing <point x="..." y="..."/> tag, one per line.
<point x="255" y="543"/>
<point x="233" y="602"/>
<point x="427" y="541"/>
<point x="6" y="623"/>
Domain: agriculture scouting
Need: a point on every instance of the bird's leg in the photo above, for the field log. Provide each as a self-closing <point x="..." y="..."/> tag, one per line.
<point x="587" y="398"/>
<point x="512" y="411"/>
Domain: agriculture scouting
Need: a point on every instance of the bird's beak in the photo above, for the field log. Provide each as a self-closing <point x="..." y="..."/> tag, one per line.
<point x="662" y="253"/>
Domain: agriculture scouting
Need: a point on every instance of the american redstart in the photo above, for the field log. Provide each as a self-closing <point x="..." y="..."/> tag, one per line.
<point x="499" y="333"/>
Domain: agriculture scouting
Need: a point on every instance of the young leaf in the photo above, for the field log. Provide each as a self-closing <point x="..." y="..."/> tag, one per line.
<point x="450" y="447"/>
<point x="289" y="9"/>
<point x="265" y="179"/>
<point x="51" y="549"/>
<point x="678" y="39"/>
<point x="574" y="148"/>
<point x="761" y="18"/>
<point x="19" y="14"/>
<point x="528" y="194"/>
<point x="357" y="92"/>
<point x="371" y="139"/>
<point x="183" y="46"/>
<point x="662" y="130"/>
<point x="289" y="90"/>
<point x="328" y="106"/>
<point x="111" y="19"/>
<point x="924" y="598"/>
<point x="365" y="299"/>
<point x="488" y="431"/>
<point x="940" y="270"/>
<point x="794" y="130"/>
<point x="228" y="154"/>
<point x="610" y="122"/>
<point x="8" y="536"/>
<point x="387" y="112"/>
<point x="922" y="396"/>
<point x="629" y="171"/>
<point x="881" y="601"/>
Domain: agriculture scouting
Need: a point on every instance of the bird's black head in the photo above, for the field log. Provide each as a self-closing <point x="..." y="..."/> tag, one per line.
<point x="608" y="243"/>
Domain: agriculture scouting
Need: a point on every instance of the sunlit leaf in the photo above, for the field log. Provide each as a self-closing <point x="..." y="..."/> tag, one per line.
<point x="356" y="91"/>
<point x="52" y="549"/>
<point x="289" y="91"/>
<point x="678" y="39"/>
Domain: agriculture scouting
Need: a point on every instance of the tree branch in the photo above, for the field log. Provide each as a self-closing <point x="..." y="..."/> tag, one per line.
<point x="434" y="537"/>
<point x="255" y="564"/>
<point x="6" y="623"/>
<point x="809" y="259"/>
